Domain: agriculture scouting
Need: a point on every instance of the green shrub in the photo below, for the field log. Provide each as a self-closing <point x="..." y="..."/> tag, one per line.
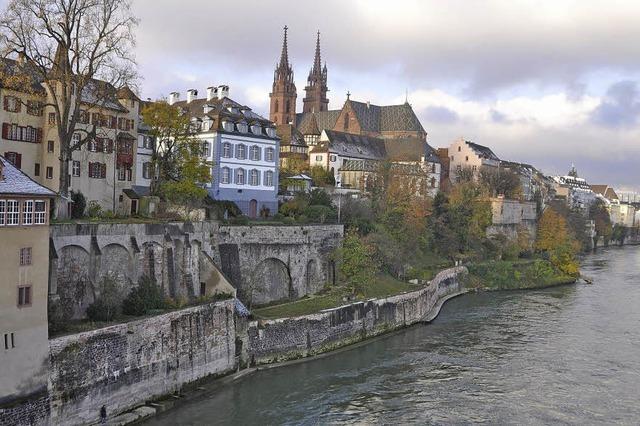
<point x="239" y="220"/>
<point x="320" y="213"/>
<point x="145" y="297"/>
<point x="94" y="209"/>
<point x="108" y="305"/>
<point x="288" y="220"/>
<point x="79" y="204"/>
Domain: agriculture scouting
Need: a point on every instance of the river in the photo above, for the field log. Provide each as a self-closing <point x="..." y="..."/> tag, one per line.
<point x="565" y="355"/>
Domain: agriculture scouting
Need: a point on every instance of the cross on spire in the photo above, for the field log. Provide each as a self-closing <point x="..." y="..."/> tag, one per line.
<point x="317" y="64"/>
<point x="348" y="94"/>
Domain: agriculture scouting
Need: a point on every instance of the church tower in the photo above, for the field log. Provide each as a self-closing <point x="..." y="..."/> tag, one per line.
<point x="283" y="93"/>
<point x="315" y="99"/>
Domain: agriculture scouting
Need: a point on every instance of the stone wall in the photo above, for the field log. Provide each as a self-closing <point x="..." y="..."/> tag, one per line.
<point x="291" y="338"/>
<point x="509" y="217"/>
<point x="269" y="263"/>
<point x="124" y="365"/>
<point x="178" y="255"/>
<point x="33" y="410"/>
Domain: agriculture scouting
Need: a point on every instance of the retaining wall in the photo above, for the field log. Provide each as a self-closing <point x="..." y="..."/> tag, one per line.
<point x="285" y="339"/>
<point x="124" y="365"/>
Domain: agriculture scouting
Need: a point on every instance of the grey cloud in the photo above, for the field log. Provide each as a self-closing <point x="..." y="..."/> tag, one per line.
<point x="620" y="107"/>
<point x="498" y="117"/>
<point x="439" y="115"/>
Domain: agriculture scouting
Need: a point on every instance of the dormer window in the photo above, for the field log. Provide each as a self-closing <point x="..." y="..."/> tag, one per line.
<point x="207" y="108"/>
<point x="271" y="132"/>
<point x="232" y="109"/>
<point x="227" y="126"/>
<point x="242" y="127"/>
<point x="256" y="129"/>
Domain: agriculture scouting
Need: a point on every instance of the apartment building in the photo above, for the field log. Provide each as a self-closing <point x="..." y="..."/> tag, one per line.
<point x="24" y="260"/>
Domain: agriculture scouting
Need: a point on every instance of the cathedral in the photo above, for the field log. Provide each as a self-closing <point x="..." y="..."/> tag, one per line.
<point x="354" y="117"/>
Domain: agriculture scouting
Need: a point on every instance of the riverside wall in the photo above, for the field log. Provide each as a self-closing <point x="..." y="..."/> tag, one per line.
<point x="290" y="338"/>
<point x="125" y="365"/>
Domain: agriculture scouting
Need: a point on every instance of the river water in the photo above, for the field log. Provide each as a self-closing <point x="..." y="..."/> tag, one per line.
<point x="565" y="355"/>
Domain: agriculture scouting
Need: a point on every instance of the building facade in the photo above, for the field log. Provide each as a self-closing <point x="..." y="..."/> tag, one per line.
<point x="468" y="155"/>
<point x="24" y="257"/>
<point x="241" y="146"/>
<point x="102" y="167"/>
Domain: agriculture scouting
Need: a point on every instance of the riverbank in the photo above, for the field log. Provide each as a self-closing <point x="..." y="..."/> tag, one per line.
<point x="515" y="275"/>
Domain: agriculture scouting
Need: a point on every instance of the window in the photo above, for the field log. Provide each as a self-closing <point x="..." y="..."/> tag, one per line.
<point x="332" y="158"/>
<point x="9" y="341"/>
<point x="206" y="149"/>
<point x="50" y="146"/>
<point x="129" y="174"/>
<point x="91" y="145"/>
<point x="21" y="133"/>
<point x="241" y="152"/>
<point x="108" y="145"/>
<point x="36" y="170"/>
<point x="121" y="173"/>
<point x="433" y="182"/>
<point x="240" y="177"/>
<point x="269" y="154"/>
<point x="466" y="158"/>
<point x="254" y="178"/>
<point x="14" y="158"/>
<point x="24" y="295"/>
<point x="226" y="175"/>
<point x="13" y="212"/>
<point x="75" y="140"/>
<point x="226" y="150"/>
<point x="318" y="157"/>
<point x="25" y="256"/>
<point x="40" y="215"/>
<point x="459" y="149"/>
<point x="268" y="178"/>
<point x="97" y="170"/>
<point x="27" y="212"/>
<point x="52" y="118"/>
<point x="276" y="106"/>
<point x="49" y="172"/>
<point x="346" y="121"/>
<point x="75" y="168"/>
<point x="255" y="153"/>
<point x="83" y="117"/>
<point x="146" y="170"/>
<point x="12" y="104"/>
<point x="3" y="208"/>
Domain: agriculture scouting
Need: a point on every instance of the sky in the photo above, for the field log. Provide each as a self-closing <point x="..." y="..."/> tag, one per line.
<point x="550" y="83"/>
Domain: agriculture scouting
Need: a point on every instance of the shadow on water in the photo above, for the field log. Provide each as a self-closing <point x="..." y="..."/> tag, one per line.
<point x="567" y="354"/>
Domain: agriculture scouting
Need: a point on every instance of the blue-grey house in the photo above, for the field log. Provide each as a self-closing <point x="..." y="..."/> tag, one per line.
<point x="242" y="146"/>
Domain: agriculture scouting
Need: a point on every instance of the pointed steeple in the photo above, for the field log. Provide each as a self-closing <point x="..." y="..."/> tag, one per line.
<point x="317" y="64"/>
<point x="284" y="56"/>
<point x="61" y="66"/>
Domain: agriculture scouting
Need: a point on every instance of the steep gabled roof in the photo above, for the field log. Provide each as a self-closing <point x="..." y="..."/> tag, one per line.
<point x="606" y="191"/>
<point x="358" y="146"/>
<point x="368" y="115"/>
<point x="289" y="135"/>
<point x="323" y="120"/>
<point x="14" y="182"/>
<point x="482" y="151"/>
<point x="399" y="118"/>
<point x="410" y="149"/>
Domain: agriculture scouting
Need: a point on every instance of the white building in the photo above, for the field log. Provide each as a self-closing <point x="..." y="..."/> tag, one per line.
<point x="465" y="154"/>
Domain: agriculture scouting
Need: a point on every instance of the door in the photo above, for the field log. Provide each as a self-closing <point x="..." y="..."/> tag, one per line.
<point x="253" y="209"/>
<point x="134" y="207"/>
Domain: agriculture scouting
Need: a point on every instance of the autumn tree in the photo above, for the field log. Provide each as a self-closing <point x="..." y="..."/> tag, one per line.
<point x="79" y="51"/>
<point x="554" y="239"/>
<point x="357" y="266"/>
<point x="501" y="182"/>
<point x="599" y="213"/>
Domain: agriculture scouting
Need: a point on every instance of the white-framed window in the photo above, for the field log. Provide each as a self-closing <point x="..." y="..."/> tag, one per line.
<point x="226" y="150"/>
<point x="241" y="152"/>
<point x="146" y="170"/>
<point x="27" y="212"/>
<point x="318" y="157"/>
<point x="206" y="149"/>
<point x="256" y="129"/>
<point x="268" y="178"/>
<point x="49" y="172"/>
<point x="227" y="126"/>
<point x="3" y="209"/>
<point x="240" y="177"/>
<point x="40" y="215"/>
<point x="25" y="256"/>
<point x="269" y="154"/>
<point x="242" y="127"/>
<point x="254" y="153"/>
<point x="122" y="173"/>
<point x="13" y="212"/>
<point x="254" y="177"/>
<point x="332" y="158"/>
<point x="225" y="176"/>
<point x="75" y="168"/>
<point x="75" y="139"/>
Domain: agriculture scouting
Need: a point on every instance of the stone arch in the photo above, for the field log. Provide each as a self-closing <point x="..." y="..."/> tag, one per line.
<point x="74" y="287"/>
<point x="115" y="261"/>
<point x="271" y="280"/>
<point x="311" y="276"/>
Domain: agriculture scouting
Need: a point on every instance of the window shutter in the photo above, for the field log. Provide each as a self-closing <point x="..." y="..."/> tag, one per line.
<point x="5" y="130"/>
<point x="18" y="161"/>
<point x="104" y="170"/>
<point x="18" y="105"/>
<point x="6" y="104"/>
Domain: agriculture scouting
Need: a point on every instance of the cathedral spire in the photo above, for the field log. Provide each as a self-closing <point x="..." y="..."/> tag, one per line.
<point x="317" y="64"/>
<point x="284" y="56"/>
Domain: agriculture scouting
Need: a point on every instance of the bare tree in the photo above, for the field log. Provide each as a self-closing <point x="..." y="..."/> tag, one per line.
<point x="79" y="51"/>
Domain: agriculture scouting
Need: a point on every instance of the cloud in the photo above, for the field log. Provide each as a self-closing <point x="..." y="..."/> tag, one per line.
<point x="440" y="114"/>
<point x="620" y="107"/>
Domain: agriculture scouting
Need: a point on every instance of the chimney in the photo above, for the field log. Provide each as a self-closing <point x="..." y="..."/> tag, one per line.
<point x="212" y="93"/>
<point x="173" y="97"/>
<point x="192" y="94"/>
<point x="223" y="91"/>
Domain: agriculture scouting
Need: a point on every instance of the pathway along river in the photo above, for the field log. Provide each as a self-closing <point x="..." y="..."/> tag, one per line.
<point x="568" y="355"/>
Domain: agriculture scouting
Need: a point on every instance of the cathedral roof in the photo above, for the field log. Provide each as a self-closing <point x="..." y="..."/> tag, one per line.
<point x="372" y="118"/>
<point x="410" y="149"/>
<point x="351" y="145"/>
<point x="289" y="135"/>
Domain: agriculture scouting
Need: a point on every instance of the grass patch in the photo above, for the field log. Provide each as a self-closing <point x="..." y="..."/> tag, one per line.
<point x="382" y="286"/>
<point x="515" y="275"/>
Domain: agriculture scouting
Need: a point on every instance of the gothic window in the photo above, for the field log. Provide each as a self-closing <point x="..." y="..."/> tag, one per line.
<point x="346" y="121"/>
<point x="276" y="106"/>
<point x="288" y="106"/>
